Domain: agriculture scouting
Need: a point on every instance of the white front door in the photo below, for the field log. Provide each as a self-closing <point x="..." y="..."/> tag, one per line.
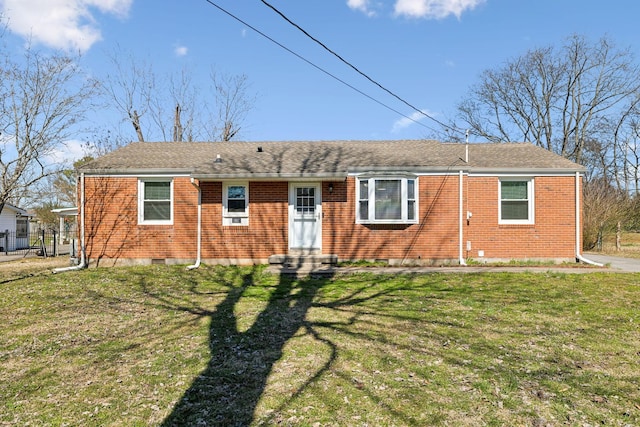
<point x="305" y="216"/>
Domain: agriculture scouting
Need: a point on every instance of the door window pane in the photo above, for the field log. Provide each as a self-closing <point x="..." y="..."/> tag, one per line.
<point x="305" y="200"/>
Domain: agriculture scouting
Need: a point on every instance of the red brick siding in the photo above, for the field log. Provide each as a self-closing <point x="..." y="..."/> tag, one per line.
<point x="266" y="234"/>
<point x="552" y="235"/>
<point x="435" y="237"/>
<point x="112" y="230"/>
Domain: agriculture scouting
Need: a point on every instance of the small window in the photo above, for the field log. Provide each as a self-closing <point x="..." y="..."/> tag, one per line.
<point x="516" y="201"/>
<point x="235" y="204"/>
<point x="155" y="203"/>
<point x="22" y="227"/>
<point x="386" y="200"/>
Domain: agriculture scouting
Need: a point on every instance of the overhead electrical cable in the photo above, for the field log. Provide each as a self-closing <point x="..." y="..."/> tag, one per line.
<point x="318" y="67"/>
<point x="356" y="69"/>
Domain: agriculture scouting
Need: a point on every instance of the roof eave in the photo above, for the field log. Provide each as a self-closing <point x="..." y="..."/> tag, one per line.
<point x="407" y="169"/>
<point x="527" y="171"/>
<point x="16" y="209"/>
<point x="273" y="176"/>
<point x="126" y="171"/>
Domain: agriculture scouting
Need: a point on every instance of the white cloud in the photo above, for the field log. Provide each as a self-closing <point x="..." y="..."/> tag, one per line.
<point x="405" y="122"/>
<point x="181" y="50"/>
<point x="363" y="6"/>
<point x="67" y="153"/>
<point x="434" y="9"/>
<point x="62" y="24"/>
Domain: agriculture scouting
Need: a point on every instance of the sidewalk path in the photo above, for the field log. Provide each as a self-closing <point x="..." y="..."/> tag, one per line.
<point x="611" y="264"/>
<point x="620" y="264"/>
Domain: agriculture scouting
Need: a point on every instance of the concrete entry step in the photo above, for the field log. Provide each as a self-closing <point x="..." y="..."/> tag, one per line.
<point x="307" y="262"/>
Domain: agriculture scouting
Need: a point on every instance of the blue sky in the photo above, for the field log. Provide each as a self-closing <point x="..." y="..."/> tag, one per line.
<point x="428" y="52"/>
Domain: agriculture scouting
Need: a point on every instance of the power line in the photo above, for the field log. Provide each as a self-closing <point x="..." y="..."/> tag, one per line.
<point x="356" y="69"/>
<point x="323" y="70"/>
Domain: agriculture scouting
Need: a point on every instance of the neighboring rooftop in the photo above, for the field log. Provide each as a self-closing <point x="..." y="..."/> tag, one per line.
<point x="322" y="158"/>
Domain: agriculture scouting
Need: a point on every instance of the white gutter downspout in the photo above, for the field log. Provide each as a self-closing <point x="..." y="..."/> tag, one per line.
<point x="83" y="263"/>
<point x="461" y="224"/>
<point x="579" y="257"/>
<point x="199" y="238"/>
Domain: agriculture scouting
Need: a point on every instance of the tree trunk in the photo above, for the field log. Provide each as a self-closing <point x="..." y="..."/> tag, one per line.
<point x="177" y="126"/>
<point x="599" y="241"/>
<point x="619" y="236"/>
<point x="135" y="121"/>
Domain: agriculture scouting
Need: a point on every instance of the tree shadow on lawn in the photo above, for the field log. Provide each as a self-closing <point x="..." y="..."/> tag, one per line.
<point x="228" y="390"/>
<point x="243" y="357"/>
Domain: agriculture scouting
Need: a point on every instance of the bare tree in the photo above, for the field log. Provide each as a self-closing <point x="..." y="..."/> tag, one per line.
<point x="129" y="89"/>
<point x="184" y="95"/>
<point x="42" y="99"/>
<point x="233" y="104"/>
<point x="553" y="97"/>
<point x="612" y="150"/>
<point x="580" y="100"/>
<point x="174" y="107"/>
<point x="605" y="207"/>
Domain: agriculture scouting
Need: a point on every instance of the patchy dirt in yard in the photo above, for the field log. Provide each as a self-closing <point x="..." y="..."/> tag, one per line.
<point x="14" y="269"/>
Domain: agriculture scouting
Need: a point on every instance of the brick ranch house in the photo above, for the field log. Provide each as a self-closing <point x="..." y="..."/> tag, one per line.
<point x="405" y="202"/>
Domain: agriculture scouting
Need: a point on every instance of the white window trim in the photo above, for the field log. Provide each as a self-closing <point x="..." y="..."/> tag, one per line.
<point x="228" y="217"/>
<point x="141" y="220"/>
<point x="531" y="202"/>
<point x="404" y="199"/>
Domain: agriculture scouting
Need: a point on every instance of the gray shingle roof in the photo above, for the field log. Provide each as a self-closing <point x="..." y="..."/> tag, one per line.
<point x="322" y="158"/>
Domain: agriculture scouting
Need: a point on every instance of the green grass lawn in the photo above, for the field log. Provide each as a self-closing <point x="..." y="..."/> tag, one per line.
<point x="228" y="346"/>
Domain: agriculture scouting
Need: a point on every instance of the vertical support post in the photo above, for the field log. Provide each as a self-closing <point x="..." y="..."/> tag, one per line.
<point x="578" y="216"/>
<point x="55" y="243"/>
<point x="461" y="258"/>
<point x="43" y="245"/>
<point x="61" y="228"/>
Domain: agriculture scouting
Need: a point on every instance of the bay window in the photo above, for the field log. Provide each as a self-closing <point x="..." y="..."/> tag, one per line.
<point x="386" y="200"/>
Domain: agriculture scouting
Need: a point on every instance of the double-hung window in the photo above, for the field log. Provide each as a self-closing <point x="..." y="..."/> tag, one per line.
<point x="22" y="227"/>
<point x="235" y="204"/>
<point x="516" y="201"/>
<point x="387" y="200"/>
<point x="155" y="201"/>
